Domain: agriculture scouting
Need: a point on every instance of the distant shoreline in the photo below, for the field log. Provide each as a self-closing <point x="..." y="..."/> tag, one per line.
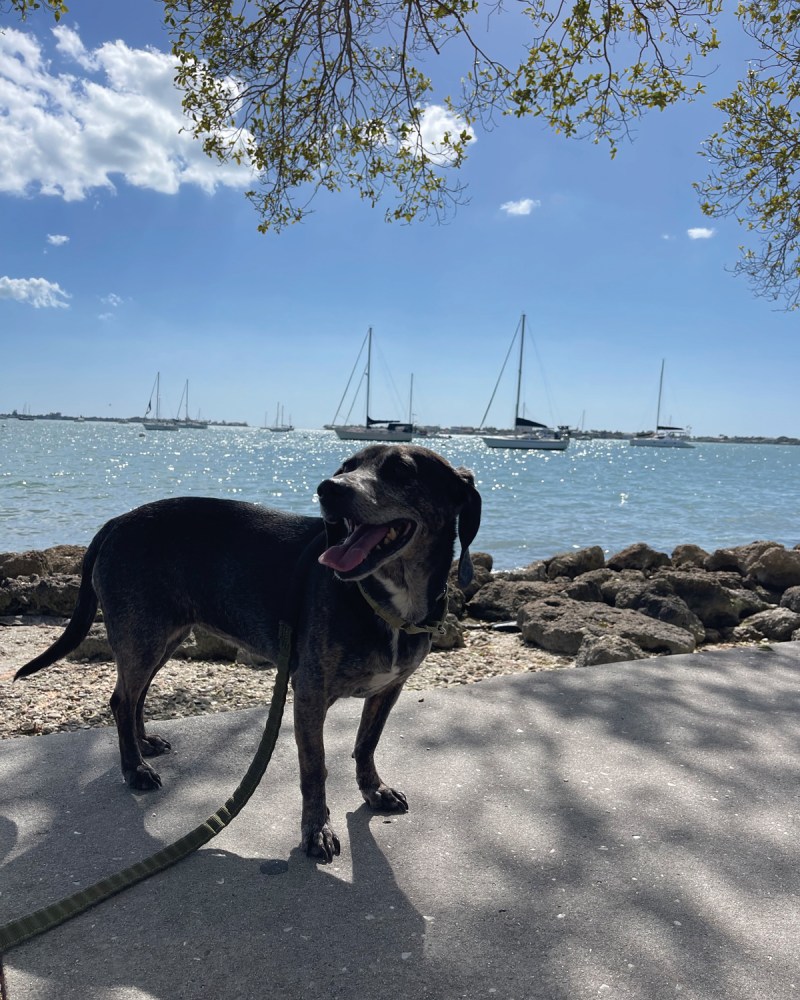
<point x="592" y="435"/>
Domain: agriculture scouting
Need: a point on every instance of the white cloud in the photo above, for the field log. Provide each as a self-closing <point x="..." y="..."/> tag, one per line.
<point x="523" y="207"/>
<point x="85" y="119"/>
<point x="435" y="123"/>
<point x="112" y="299"/>
<point x="37" y="292"/>
<point x="699" y="233"/>
<point x="57" y="241"/>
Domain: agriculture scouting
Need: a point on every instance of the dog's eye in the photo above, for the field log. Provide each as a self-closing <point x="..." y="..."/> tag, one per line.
<point x="399" y="469"/>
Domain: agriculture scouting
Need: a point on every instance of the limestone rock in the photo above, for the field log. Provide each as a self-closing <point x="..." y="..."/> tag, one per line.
<point x="607" y="649"/>
<point x="572" y="564"/>
<point x="638" y="556"/>
<point x="777" y="568"/>
<point x="560" y="625"/>
<point x="501" y="599"/>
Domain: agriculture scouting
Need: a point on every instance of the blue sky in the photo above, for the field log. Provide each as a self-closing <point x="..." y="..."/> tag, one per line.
<point x="125" y="252"/>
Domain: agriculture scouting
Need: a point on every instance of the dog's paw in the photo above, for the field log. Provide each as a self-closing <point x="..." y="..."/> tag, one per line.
<point x="143" y="778"/>
<point x="385" y="799"/>
<point x="322" y="843"/>
<point x="153" y="745"/>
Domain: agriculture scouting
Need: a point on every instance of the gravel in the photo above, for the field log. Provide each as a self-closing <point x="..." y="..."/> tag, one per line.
<point x="70" y="696"/>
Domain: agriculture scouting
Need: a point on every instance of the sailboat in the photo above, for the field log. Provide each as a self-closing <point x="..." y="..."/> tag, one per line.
<point x="280" y="426"/>
<point x="186" y="423"/>
<point x="527" y="433"/>
<point x="372" y="429"/>
<point x="664" y="436"/>
<point x="157" y="423"/>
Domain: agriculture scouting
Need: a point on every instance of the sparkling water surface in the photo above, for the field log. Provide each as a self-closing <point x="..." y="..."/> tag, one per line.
<point x="61" y="480"/>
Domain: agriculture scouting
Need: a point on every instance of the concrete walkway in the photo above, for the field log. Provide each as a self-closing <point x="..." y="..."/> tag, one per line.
<point x="628" y="831"/>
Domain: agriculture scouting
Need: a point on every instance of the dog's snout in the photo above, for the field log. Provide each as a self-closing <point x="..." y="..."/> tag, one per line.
<point x="326" y="489"/>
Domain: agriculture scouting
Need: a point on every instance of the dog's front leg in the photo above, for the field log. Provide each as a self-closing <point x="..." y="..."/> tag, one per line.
<point x="373" y="718"/>
<point x="318" y="837"/>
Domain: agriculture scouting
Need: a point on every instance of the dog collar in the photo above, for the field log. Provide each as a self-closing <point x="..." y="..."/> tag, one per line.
<point x="435" y="627"/>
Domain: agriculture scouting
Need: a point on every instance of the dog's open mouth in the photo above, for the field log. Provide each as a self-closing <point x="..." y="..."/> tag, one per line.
<point x="367" y="546"/>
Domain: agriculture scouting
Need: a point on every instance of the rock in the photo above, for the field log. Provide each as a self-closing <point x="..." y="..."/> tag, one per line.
<point x="714" y="604"/>
<point x="52" y="596"/>
<point x="584" y="590"/>
<point x="65" y="559"/>
<point x="739" y="558"/>
<point x="776" y="568"/>
<point x="533" y="571"/>
<point x="452" y="638"/>
<point x="502" y="599"/>
<point x="689" y="555"/>
<point x="656" y="599"/>
<point x="791" y="599"/>
<point x="607" y="649"/>
<point x="483" y="559"/>
<point x="638" y="556"/>
<point x="202" y="645"/>
<point x="560" y="625"/>
<point x="617" y="581"/>
<point x="572" y="564"/>
<point x="15" y="564"/>
<point x="777" y="624"/>
<point x="94" y="647"/>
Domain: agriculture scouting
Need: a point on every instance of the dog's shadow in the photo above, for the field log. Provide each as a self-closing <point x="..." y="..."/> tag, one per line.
<point x="241" y="928"/>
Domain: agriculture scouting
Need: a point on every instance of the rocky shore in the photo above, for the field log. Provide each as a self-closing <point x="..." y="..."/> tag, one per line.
<point x="575" y="609"/>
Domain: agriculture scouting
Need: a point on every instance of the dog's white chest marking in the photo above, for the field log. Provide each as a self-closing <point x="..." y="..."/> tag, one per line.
<point x="397" y="669"/>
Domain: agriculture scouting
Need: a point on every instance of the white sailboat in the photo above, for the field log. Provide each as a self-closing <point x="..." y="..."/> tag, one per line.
<point x="664" y="436"/>
<point x="186" y="422"/>
<point x="280" y="426"/>
<point x="372" y="429"/>
<point x="157" y="423"/>
<point x="527" y="434"/>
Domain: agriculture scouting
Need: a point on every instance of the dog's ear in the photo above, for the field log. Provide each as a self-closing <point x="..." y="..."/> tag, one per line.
<point x="469" y="520"/>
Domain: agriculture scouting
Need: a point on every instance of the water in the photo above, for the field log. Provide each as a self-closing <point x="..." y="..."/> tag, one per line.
<point x="59" y="481"/>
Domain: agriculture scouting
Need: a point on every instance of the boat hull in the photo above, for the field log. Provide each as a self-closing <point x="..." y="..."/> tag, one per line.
<point x="525" y="442"/>
<point x="160" y="425"/>
<point x="358" y="433"/>
<point x="660" y="442"/>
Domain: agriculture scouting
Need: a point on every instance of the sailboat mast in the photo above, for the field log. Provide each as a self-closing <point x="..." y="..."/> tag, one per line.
<point x="369" y="367"/>
<point x="660" y="386"/>
<point x="519" y="372"/>
<point x="411" y="400"/>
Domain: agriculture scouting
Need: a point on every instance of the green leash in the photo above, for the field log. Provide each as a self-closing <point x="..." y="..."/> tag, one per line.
<point x="17" y="931"/>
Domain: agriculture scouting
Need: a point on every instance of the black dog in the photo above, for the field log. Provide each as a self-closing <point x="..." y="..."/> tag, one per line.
<point x="365" y="595"/>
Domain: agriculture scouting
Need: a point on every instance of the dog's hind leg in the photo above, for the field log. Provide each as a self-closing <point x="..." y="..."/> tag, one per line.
<point x="376" y="793"/>
<point x="134" y="674"/>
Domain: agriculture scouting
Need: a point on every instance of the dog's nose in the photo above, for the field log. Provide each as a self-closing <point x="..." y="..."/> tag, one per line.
<point x="327" y="489"/>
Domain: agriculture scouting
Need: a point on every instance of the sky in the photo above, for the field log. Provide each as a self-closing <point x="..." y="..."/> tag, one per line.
<point x="126" y="252"/>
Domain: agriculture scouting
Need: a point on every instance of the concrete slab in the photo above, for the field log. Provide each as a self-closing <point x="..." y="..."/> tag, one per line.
<point x="627" y="831"/>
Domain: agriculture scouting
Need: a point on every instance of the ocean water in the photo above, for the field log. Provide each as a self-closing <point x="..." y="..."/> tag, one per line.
<point x="60" y="481"/>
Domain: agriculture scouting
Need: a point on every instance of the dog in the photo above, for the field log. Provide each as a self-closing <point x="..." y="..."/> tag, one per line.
<point x="365" y="586"/>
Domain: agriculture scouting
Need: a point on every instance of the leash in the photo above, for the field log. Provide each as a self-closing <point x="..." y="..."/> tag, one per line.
<point x="24" y="928"/>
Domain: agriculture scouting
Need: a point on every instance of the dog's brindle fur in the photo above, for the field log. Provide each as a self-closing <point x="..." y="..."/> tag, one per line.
<point x="228" y="566"/>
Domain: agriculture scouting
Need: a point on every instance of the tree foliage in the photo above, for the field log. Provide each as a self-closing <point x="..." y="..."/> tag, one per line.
<point x="325" y="94"/>
<point x="320" y="94"/>
<point x="755" y="157"/>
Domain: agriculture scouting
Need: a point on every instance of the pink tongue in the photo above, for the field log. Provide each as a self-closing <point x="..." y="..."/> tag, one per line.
<point x="355" y="548"/>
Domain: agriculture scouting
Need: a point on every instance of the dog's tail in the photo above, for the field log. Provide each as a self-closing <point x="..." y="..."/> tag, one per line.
<point x="82" y="617"/>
